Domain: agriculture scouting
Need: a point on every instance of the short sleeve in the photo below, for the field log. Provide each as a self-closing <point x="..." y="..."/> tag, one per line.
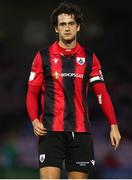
<point x="96" y="72"/>
<point x="36" y="74"/>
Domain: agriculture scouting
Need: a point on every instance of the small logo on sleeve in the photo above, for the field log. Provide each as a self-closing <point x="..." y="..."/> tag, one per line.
<point x="101" y="76"/>
<point x="100" y="98"/>
<point x="32" y="75"/>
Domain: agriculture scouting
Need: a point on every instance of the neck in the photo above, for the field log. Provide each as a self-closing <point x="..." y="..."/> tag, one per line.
<point x="67" y="44"/>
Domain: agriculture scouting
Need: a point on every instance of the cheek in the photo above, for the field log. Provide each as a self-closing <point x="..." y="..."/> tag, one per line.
<point x="75" y="31"/>
<point x="62" y="31"/>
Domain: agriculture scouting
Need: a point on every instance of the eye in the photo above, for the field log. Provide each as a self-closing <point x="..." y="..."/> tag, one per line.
<point x="62" y="24"/>
<point x="72" y="23"/>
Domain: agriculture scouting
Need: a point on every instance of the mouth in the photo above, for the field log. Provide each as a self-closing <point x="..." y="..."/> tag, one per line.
<point x="67" y="34"/>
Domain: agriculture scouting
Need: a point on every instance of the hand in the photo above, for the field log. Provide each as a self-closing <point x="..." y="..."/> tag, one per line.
<point x="115" y="136"/>
<point x="38" y="128"/>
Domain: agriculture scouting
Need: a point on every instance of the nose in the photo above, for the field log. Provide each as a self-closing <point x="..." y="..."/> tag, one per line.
<point x="67" y="28"/>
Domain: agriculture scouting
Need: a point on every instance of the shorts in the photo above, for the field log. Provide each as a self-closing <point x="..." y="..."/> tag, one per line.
<point x="74" y="149"/>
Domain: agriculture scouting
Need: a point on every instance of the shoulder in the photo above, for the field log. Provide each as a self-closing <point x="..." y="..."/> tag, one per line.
<point x="47" y="48"/>
<point x="86" y="50"/>
<point x="43" y="50"/>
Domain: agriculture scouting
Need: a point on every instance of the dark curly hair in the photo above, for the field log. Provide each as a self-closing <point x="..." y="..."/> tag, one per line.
<point x="67" y="8"/>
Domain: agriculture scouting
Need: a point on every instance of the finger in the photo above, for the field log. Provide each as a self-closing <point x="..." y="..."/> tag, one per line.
<point x="40" y="132"/>
<point x="41" y="128"/>
<point x="112" y="141"/>
<point x="35" y="133"/>
<point x="117" y="143"/>
<point x="116" y="146"/>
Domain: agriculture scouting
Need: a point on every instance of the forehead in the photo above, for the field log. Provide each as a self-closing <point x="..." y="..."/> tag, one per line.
<point x="65" y="18"/>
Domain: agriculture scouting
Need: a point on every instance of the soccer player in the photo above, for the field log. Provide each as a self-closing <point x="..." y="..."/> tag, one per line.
<point x="62" y="74"/>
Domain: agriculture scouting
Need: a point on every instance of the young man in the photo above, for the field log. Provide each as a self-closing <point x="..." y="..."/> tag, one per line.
<point x="62" y="73"/>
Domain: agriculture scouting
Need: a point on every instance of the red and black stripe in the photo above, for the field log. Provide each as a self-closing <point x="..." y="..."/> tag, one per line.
<point x="68" y="66"/>
<point x="65" y="106"/>
<point x="89" y="60"/>
<point x="49" y="89"/>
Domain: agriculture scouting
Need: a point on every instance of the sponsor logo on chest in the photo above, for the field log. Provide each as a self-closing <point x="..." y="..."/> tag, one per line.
<point x="56" y="75"/>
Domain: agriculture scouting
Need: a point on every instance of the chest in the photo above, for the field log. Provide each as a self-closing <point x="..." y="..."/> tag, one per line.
<point x="70" y="65"/>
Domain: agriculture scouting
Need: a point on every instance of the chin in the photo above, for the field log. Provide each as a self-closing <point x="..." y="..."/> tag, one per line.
<point x="69" y="39"/>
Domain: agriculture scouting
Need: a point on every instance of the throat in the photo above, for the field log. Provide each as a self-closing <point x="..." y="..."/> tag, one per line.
<point x="67" y="44"/>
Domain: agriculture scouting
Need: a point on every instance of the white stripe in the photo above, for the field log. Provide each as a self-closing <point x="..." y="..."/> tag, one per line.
<point x="96" y="78"/>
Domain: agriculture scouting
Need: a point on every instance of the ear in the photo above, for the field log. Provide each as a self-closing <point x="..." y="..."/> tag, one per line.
<point x="56" y="29"/>
<point x="78" y="27"/>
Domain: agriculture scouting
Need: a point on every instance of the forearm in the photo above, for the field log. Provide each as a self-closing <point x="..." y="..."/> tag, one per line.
<point x="32" y="101"/>
<point x="105" y="102"/>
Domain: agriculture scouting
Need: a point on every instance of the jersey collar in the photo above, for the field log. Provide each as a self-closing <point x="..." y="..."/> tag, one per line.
<point x="58" y="50"/>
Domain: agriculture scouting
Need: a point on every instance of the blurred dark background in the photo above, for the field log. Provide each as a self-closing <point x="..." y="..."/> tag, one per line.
<point x="24" y="29"/>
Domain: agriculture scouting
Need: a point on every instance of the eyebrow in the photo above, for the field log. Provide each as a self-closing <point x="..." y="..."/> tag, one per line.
<point x="67" y="22"/>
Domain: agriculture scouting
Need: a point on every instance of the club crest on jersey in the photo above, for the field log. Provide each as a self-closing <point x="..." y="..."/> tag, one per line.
<point x="80" y="60"/>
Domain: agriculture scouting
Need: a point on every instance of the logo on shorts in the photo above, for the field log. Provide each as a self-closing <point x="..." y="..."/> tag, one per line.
<point x="93" y="162"/>
<point x="42" y="158"/>
<point x="84" y="163"/>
